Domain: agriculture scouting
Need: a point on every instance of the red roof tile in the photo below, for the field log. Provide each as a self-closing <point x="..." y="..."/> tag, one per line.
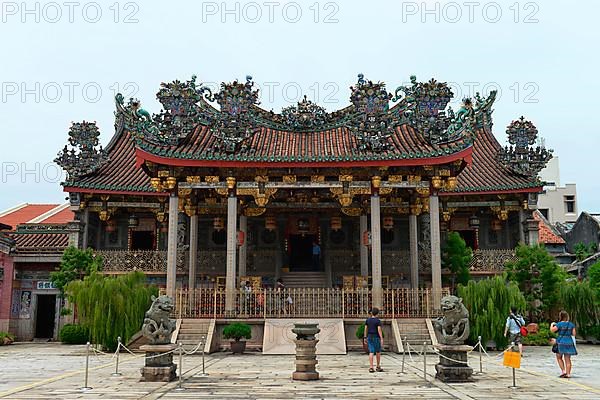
<point x="61" y="217"/>
<point x="40" y="242"/>
<point x="546" y="233"/>
<point x="25" y="214"/>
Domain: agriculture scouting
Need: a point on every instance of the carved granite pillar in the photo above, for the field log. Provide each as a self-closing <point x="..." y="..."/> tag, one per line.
<point x="193" y="260"/>
<point x="244" y="246"/>
<point x="172" y="245"/>
<point x="230" y="278"/>
<point x="414" y="250"/>
<point x="364" y="250"/>
<point x="376" y="251"/>
<point x="436" y="254"/>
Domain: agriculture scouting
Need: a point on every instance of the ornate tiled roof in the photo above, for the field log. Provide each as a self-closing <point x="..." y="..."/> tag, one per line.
<point x="119" y="174"/>
<point x="487" y="174"/>
<point x="333" y="145"/>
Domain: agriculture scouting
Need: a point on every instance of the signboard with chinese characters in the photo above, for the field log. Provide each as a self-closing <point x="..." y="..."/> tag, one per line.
<point x="45" y="285"/>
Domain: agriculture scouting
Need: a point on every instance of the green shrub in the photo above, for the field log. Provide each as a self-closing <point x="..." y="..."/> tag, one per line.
<point x="489" y="302"/>
<point x="592" y="331"/>
<point x="74" y="334"/>
<point x="237" y="331"/>
<point x="6" y="338"/>
<point x="542" y="338"/>
<point x="580" y="300"/>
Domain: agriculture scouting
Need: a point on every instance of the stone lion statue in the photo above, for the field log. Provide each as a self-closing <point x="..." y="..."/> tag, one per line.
<point x="453" y="327"/>
<point x="158" y="327"/>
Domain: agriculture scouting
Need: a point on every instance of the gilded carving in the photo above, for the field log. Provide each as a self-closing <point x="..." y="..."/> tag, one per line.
<point x="254" y="212"/>
<point x="317" y="179"/>
<point x="289" y="179"/>
<point x="211" y="179"/>
<point x="352" y="211"/>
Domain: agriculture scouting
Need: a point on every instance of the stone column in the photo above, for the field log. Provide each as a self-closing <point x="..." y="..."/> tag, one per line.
<point x="436" y="254"/>
<point x="521" y="226"/>
<point x="244" y="246"/>
<point x="86" y="228"/>
<point x="230" y="279"/>
<point x="413" y="235"/>
<point x="172" y="245"/>
<point x="193" y="261"/>
<point x="533" y="227"/>
<point x="376" y="251"/>
<point x="364" y="250"/>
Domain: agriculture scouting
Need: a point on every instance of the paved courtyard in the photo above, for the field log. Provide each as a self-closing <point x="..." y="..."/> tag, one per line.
<point x="55" y="371"/>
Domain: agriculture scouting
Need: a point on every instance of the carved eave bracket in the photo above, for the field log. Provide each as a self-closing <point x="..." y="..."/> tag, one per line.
<point x="84" y="156"/>
<point x="521" y="156"/>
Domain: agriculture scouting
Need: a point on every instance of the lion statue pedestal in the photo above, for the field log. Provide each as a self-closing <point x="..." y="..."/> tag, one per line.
<point x="452" y="330"/>
<point x="158" y="327"/>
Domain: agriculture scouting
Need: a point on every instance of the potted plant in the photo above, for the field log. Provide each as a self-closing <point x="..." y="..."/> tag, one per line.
<point x="360" y="332"/>
<point x="237" y="331"/>
<point x="6" y="338"/>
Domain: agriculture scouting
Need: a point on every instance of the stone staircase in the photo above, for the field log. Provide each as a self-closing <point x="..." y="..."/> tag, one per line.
<point x="191" y="332"/>
<point x="415" y="331"/>
<point x="301" y="279"/>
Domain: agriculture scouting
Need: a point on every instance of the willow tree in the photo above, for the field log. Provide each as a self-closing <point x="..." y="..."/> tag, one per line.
<point x="489" y="302"/>
<point x="580" y="300"/>
<point x="111" y="306"/>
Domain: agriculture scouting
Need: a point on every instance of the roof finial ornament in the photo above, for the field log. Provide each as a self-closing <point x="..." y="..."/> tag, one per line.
<point x="84" y="157"/>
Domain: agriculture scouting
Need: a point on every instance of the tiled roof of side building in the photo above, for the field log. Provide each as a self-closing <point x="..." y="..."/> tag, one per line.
<point x="24" y="213"/>
<point x="487" y="174"/>
<point x="40" y="242"/>
<point x="547" y="234"/>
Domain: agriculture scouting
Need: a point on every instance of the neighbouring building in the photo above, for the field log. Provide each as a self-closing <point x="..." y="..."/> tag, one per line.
<point x="558" y="204"/>
<point x="32" y="240"/>
<point x="214" y="190"/>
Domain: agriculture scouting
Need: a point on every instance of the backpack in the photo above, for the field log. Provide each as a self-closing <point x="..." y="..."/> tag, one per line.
<point x="523" y="330"/>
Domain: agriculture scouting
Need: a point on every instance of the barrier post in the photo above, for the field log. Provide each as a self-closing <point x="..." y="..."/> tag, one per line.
<point x="425" y="363"/>
<point x="514" y="381"/>
<point x="117" y="373"/>
<point x="203" y="374"/>
<point x="480" y="355"/>
<point x="179" y="386"/>
<point x="403" y="354"/>
<point x="87" y="365"/>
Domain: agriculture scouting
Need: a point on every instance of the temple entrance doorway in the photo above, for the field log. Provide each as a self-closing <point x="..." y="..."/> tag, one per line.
<point x="45" y="316"/>
<point x="469" y="238"/>
<point x="301" y="252"/>
<point x="142" y="240"/>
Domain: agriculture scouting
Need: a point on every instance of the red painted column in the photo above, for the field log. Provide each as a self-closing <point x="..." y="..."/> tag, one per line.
<point x="6" y="286"/>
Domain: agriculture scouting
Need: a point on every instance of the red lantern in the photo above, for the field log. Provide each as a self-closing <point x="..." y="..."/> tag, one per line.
<point x="111" y="226"/>
<point x="336" y="223"/>
<point x="219" y="224"/>
<point x="270" y="223"/>
<point x="388" y="223"/>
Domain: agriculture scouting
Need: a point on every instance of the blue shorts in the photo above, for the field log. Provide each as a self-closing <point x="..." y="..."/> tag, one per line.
<point x="374" y="344"/>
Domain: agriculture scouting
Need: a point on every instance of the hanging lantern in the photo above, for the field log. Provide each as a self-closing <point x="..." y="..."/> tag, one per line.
<point x="496" y="224"/>
<point x="474" y="221"/>
<point x="218" y="223"/>
<point x="171" y="182"/>
<point x="336" y="223"/>
<point x="388" y="223"/>
<point x="133" y="221"/>
<point x="111" y="226"/>
<point x="270" y="223"/>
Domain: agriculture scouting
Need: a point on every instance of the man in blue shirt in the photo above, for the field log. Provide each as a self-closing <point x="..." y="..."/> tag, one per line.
<point x="374" y="337"/>
<point x="316" y="256"/>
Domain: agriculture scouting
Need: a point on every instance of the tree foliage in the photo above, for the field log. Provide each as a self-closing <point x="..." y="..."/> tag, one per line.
<point x="580" y="300"/>
<point x="489" y="302"/>
<point x="111" y="306"/>
<point x="75" y="264"/>
<point x="583" y="251"/>
<point x="539" y="278"/>
<point x="593" y="273"/>
<point x="457" y="258"/>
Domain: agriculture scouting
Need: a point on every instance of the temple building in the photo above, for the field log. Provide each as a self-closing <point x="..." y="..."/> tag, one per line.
<point x="32" y="240"/>
<point x="214" y="191"/>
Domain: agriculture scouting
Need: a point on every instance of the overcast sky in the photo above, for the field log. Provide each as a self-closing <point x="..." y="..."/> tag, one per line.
<point x="64" y="61"/>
